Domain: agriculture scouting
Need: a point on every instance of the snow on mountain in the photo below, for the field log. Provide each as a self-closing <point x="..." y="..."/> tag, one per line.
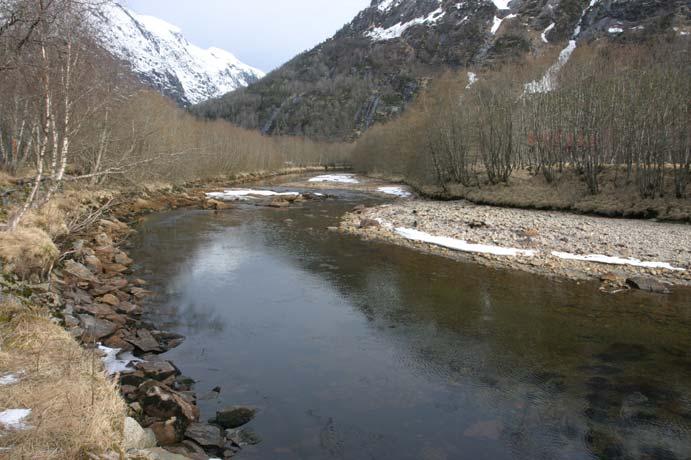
<point x="162" y="57"/>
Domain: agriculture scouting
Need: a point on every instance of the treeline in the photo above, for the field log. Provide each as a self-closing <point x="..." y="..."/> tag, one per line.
<point x="69" y="112"/>
<point x="611" y="108"/>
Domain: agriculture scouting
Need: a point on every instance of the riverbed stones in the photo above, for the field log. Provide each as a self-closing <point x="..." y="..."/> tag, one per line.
<point x="157" y="370"/>
<point x="205" y="435"/>
<point x="169" y="432"/>
<point x="144" y="341"/>
<point x="110" y="299"/>
<point x="163" y="403"/>
<point x="234" y="416"/>
<point x="79" y="271"/>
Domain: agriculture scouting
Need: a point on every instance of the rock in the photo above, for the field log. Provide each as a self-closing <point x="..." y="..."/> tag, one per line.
<point x="205" y="435"/>
<point x="140" y="293"/>
<point x="234" y="416"/>
<point x="242" y="437"/>
<point x="647" y="284"/>
<point x="95" y="329"/>
<point x="614" y="278"/>
<point x="157" y="453"/>
<point x="157" y="370"/>
<point x="95" y="309"/>
<point x="161" y="402"/>
<point x="103" y="240"/>
<point x="122" y="259"/>
<point x="169" y="432"/>
<point x="136" y="437"/>
<point x="279" y="203"/>
<point x="369" y="223"/>
<point x="217" y="205"/>
<point x="359" y="208"/>
<point x="110" y="299"/>
<point x="139" y="282"/>
<point x="94" y="264"/>
<point x="189" y="450"/>
<point x="134" y="379"/>
<point x="129" y="309"/>
<point x="116" y="341"/>
<point x="79" y="271"/>
<point x="144" y="341"/>
<point x="114" y="268"/>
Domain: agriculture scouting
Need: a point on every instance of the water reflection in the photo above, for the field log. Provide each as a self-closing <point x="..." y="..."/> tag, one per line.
<point x="360" y="350"/>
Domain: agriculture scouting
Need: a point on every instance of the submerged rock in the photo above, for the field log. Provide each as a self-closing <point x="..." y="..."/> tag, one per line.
<point x="647" y="284"/>
<point x="235" y="416"/>
<point x="205" y="435"/>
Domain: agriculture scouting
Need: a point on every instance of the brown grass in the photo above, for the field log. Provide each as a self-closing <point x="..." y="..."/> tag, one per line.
<point x="75" y="408"/>
<point x="27" y="251"/>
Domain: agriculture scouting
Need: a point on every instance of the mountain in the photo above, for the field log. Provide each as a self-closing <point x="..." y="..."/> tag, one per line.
<point x="370" y="69"/>
<point x="160" y="55"/>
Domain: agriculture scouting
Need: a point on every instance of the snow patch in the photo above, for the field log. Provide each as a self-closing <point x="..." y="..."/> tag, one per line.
<point x="395" y="31"/>
<point x="240" y="194"/>
<point x="472" y="79"/>
<point x="546" y="31"/>
<point x="341" y="178"/>
<point x="497" y="23"/>
<point x="14" y="418"/>
<point x="114" y="363"/>
<point x="396" y="191"/>
<point x="615" y="30"/>
<point x="614" y="260"/>
<point x="8" y="379"/>
<point x="461" y="245"/>
<point x="502" y="4"/>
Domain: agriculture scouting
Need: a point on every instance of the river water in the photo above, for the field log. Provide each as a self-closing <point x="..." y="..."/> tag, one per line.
<point x="360" y="350"/>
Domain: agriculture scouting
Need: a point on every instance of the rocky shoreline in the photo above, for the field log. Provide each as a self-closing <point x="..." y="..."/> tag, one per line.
<point x="548" y="243"/>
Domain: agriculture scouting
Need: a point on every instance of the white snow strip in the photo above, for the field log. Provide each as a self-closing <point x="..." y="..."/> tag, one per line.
<point x="546" y="31"/>
<point x="502" y="4"/>
<point x="497" y="23"/>
<point x="461" y="245"/>
<point x="238" y="194"/>
<point x="14" y="418"/>
<point x="472" y="79"/>
<point x="614" y="260"/>
<point x="548" y="81"/>
<point x="615" y="30"/>
<point x="395" y="31"/>
<point x="115" y="364"/>
<point x="342" y="178"/>
<point x="397" y="191"/>
<point x="8" y="379"/>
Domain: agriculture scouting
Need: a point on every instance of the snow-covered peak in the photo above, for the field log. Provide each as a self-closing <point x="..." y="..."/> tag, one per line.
<point x="162" y="57"/>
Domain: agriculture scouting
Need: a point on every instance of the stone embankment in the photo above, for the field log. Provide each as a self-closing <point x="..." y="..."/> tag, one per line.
<point x="623" y="253"/>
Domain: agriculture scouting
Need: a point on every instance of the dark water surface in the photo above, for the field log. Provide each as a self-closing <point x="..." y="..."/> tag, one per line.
<point x="359" y="350"/>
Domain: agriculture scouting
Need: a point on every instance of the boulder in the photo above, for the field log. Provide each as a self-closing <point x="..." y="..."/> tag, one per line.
<point x="79" y="271"/>
<point x="95" y="309"/>
<point x="162" y="402"/>
<point x="94" y="264"/>
<point x="129" y="308"/>
<point x="369" y="223"/>
<point x="109" y="299"/>
<point x="144" y="341"/>
<point x="217" y="205"/>
<point x="95" y="329"/>
<point x="279" y="203"/>
<point x="136" y="437"/>
<point x="205" y="435"/>
<point x="157" y="370"/>
<point x="122" y="259"/>
<point x="242" y="437"/>
<point x="168" y="432"/>
<point x="647" y="284"/>
<point x="234" y="416"/>
<point x="157" y="453"/>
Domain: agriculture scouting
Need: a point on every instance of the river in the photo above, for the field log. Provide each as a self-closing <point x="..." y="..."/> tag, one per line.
<point x="360" y="350"/>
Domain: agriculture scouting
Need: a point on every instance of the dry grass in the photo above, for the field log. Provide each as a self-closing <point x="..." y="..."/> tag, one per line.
<point x="5" y="179"/>
<point x="27" y="251"/>
<point x="75" y="408"/>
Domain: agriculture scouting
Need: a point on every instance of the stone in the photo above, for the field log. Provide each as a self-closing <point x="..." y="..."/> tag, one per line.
<point x="189" y="450"/>
<point x="103" y="240"/>
<point x="136" y="437"/>
<point x="234" y="416"/>
<point x="114" y="268"/>
<point x="140" y="293"/>
<point x="279" y="203"/>
<point x="242" y="437"/>
<point x="129" y="308"/>
<point x="217" y="205"/>
<point x="162" y="402"/>
<point x="110" y="299"/>
<point x="95" y="309"/>
<point x="158" y="453"/>
<point x="204" y="435"/>
<point x="614" y="278"/>
<point x="144" y="341"/>
<point x="369" y="223"/>
<point x="79" y="271"/>
<point x="168" y="432"/>
<point x="95" y="329"/>
<point x="122" y="259"/>
<point x="157" y="370"/>
<point x="94" y="264"/>
<point x="647" y="284"/>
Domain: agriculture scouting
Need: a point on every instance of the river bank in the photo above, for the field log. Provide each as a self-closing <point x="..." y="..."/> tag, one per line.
<point x="545" y="242"/>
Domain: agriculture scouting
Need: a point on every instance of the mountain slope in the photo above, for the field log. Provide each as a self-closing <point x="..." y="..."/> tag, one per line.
<point x="163" y="59"/>
<point x="372" y="67"/>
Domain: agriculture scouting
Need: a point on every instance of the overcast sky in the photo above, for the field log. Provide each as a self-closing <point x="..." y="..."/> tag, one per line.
<point x="261" y="33"/>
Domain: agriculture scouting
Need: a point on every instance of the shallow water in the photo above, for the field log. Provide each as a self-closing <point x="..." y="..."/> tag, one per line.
<point x="360" y="350"/>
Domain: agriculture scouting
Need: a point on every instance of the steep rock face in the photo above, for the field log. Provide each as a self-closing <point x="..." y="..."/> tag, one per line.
<point x="370" y="69"/>
<point x="159" y="54"/>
